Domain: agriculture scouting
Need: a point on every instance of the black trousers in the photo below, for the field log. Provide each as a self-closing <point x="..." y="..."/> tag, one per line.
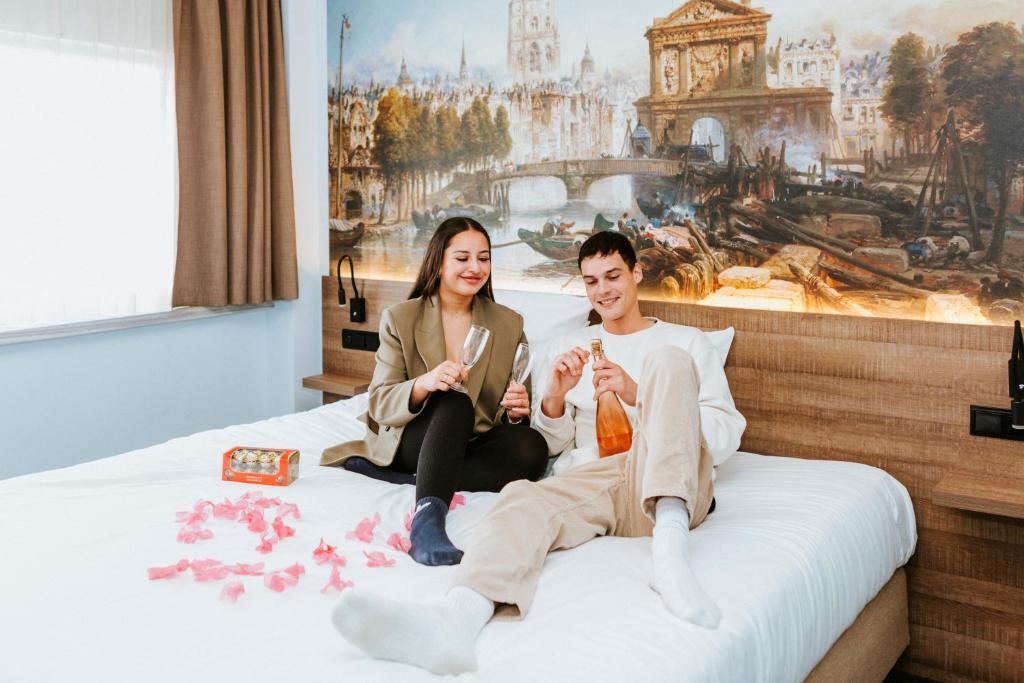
<point x="439" y="446"/>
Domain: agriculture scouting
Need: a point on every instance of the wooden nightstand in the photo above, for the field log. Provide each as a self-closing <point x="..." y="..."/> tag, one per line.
<point x="336" y="387"/>
<point x="989" y="494"/>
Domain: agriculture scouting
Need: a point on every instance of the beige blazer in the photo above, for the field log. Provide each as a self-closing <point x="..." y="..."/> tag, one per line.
<point x="412" y="343"/>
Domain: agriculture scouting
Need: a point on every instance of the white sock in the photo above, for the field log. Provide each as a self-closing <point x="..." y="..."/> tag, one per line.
<point x="673" y="578"/>
<point x="439" y="636"/>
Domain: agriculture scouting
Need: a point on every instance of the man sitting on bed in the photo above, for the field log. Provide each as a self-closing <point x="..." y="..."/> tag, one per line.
<point x="671" y="380"/>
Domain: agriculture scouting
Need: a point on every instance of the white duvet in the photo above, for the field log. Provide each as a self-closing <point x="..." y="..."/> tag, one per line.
<point x="794" y="551"/>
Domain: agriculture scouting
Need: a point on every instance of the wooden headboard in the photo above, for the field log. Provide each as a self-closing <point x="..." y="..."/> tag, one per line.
<point x="894" y="394"/>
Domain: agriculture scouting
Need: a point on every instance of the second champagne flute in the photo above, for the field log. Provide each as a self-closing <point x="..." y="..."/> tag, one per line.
<point x="474" y="345"/>
<point x="520" y="371"/>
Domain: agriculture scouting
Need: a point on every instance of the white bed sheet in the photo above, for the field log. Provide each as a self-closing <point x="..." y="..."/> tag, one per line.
<point x="794" y="551"/>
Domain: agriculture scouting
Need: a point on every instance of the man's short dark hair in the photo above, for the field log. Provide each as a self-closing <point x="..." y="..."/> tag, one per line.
<point x="606" y="243"/>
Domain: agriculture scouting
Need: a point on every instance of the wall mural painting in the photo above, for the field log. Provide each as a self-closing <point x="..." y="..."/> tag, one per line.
<point x="859" y="157"/>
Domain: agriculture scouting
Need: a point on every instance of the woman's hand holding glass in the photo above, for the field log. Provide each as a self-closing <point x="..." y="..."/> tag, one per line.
<point x="516" y="401"/>
<point x="443" y="377"/>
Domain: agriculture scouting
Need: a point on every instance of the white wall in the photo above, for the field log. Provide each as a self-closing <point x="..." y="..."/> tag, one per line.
<point x="70" y="400"/>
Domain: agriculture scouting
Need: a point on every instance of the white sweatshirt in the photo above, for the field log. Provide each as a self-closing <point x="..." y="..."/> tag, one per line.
<point x="574" y="434"/>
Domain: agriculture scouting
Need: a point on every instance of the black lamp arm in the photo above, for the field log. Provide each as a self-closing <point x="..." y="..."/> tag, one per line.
<point x="352" y="277"/>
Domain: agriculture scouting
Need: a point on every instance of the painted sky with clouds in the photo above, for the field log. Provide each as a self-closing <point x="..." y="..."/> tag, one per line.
<point x="429" y="33"/>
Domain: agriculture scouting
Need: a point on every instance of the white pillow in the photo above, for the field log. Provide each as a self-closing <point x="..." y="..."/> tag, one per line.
<point x="545" y="316"/>
<point x="722" y="341"/>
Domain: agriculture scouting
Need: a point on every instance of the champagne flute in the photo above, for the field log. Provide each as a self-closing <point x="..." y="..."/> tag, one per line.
<point x="520" y="371"/>
<point x="472" y="348"/>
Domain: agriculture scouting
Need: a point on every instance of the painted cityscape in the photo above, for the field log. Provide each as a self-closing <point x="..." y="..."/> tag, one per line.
<point x="859" y="157"/>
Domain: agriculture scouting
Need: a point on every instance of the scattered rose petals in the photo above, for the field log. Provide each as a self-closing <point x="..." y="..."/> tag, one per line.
<point x="399" y="542"/>
<point x="408" y="519"/>
<point x="231" y="591"/>
<point x="335" y="584"/>
<point x="281" y="529"/>
<point x="457" y="500"/>
<point x="167" y="572"/>
<point x="191" y="535"/>
<point x="378" y="559"/>
<point x="248" y="569"/>
<point x="323" y="552"/>
<point x="364" y="530"/>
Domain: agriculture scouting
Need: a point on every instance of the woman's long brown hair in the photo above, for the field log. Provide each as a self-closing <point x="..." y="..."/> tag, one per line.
<point x="428" y="282"/>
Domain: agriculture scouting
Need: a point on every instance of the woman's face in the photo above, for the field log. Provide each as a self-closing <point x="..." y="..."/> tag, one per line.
<point x="466" y="264"/>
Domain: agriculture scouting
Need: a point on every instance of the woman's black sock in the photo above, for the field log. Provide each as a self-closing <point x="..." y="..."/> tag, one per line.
<point x="367" y="468"/>
<point x="430" y="542"/>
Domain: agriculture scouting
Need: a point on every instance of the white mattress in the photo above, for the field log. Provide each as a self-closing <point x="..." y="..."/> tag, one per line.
<point x="794" y="551"/>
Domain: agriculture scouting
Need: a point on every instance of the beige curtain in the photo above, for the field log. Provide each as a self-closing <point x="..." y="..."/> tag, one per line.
<point x="236" y="222"/>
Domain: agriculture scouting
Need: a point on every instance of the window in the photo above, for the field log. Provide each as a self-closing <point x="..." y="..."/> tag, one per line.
<point x="89" y="171"/>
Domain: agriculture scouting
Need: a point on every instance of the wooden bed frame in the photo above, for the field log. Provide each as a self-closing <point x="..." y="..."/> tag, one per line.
<point x="894" y="394"/>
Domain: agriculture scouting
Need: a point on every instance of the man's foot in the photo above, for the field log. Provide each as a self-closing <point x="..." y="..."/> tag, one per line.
<point x="430" y="542"/>
<point x="673" y="578"/>
<point x="439" y="637"/>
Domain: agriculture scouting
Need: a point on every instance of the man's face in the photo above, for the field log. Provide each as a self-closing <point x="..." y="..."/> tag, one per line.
<point x="611" y="285"/>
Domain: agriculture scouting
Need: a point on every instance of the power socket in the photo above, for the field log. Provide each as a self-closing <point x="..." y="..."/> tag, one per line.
<point x="995" y="423"/>
<point x="360" y="340"/>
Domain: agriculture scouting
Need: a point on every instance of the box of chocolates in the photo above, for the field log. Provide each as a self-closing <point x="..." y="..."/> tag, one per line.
<point x="271" y="466"/>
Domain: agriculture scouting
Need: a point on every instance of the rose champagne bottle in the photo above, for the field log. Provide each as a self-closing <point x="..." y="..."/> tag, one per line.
<point x="614" y="433"/>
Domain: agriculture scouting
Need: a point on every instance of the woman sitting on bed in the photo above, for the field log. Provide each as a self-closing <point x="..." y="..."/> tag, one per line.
<point x="419" y="429"/>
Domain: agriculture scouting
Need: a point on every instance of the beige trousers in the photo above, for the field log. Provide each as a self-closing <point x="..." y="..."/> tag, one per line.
<point x="614" y="496"/>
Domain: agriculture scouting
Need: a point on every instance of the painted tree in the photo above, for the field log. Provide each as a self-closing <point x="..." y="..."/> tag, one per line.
<point x="906" y="98"/>
<point x="984" y="75"/>
<point x="422" y="147"/>
<point x="503" y="133"/>
<point x="446" y="129"/>
<point x="389" y="134"/>
<point x="469" y="135"/>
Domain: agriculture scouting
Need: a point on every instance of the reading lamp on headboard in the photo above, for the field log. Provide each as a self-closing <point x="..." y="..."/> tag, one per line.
<point x="357" y="305"/>
<point x="1001" y="423"/>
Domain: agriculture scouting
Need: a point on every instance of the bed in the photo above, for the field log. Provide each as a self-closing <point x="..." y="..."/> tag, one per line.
<point x="797" y="553"/>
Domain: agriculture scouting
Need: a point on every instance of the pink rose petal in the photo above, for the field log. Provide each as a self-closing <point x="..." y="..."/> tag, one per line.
<point x="248" y="569"/>
<point x="296" y="570"/>
<point x="338" y="561"/>
<point x="289" y="509"/>
<point x="281" y="529"/>
<point x="274" y="582"/>
<point x="254" y="520"/>
<point x="323" y="552"/>
<point x="364" y="530"/>
<point x="267" y="542"/>
<point x="399" y="542"/>
<point x="226" y="510"/>
<point x="190" y="535"/>
<point x="231" y="591"/>
<point x="378" y="559"/>
<point x="167" y="572"/>
<point x="457" y="500"/>
<point x="408" y="519"/>
<point x="335" y="584"/>
<point x="211" y="574"/>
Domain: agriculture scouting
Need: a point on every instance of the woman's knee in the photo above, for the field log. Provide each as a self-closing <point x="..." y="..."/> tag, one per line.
<point x="532" y="450"/>
<point x="454" y="404"/>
